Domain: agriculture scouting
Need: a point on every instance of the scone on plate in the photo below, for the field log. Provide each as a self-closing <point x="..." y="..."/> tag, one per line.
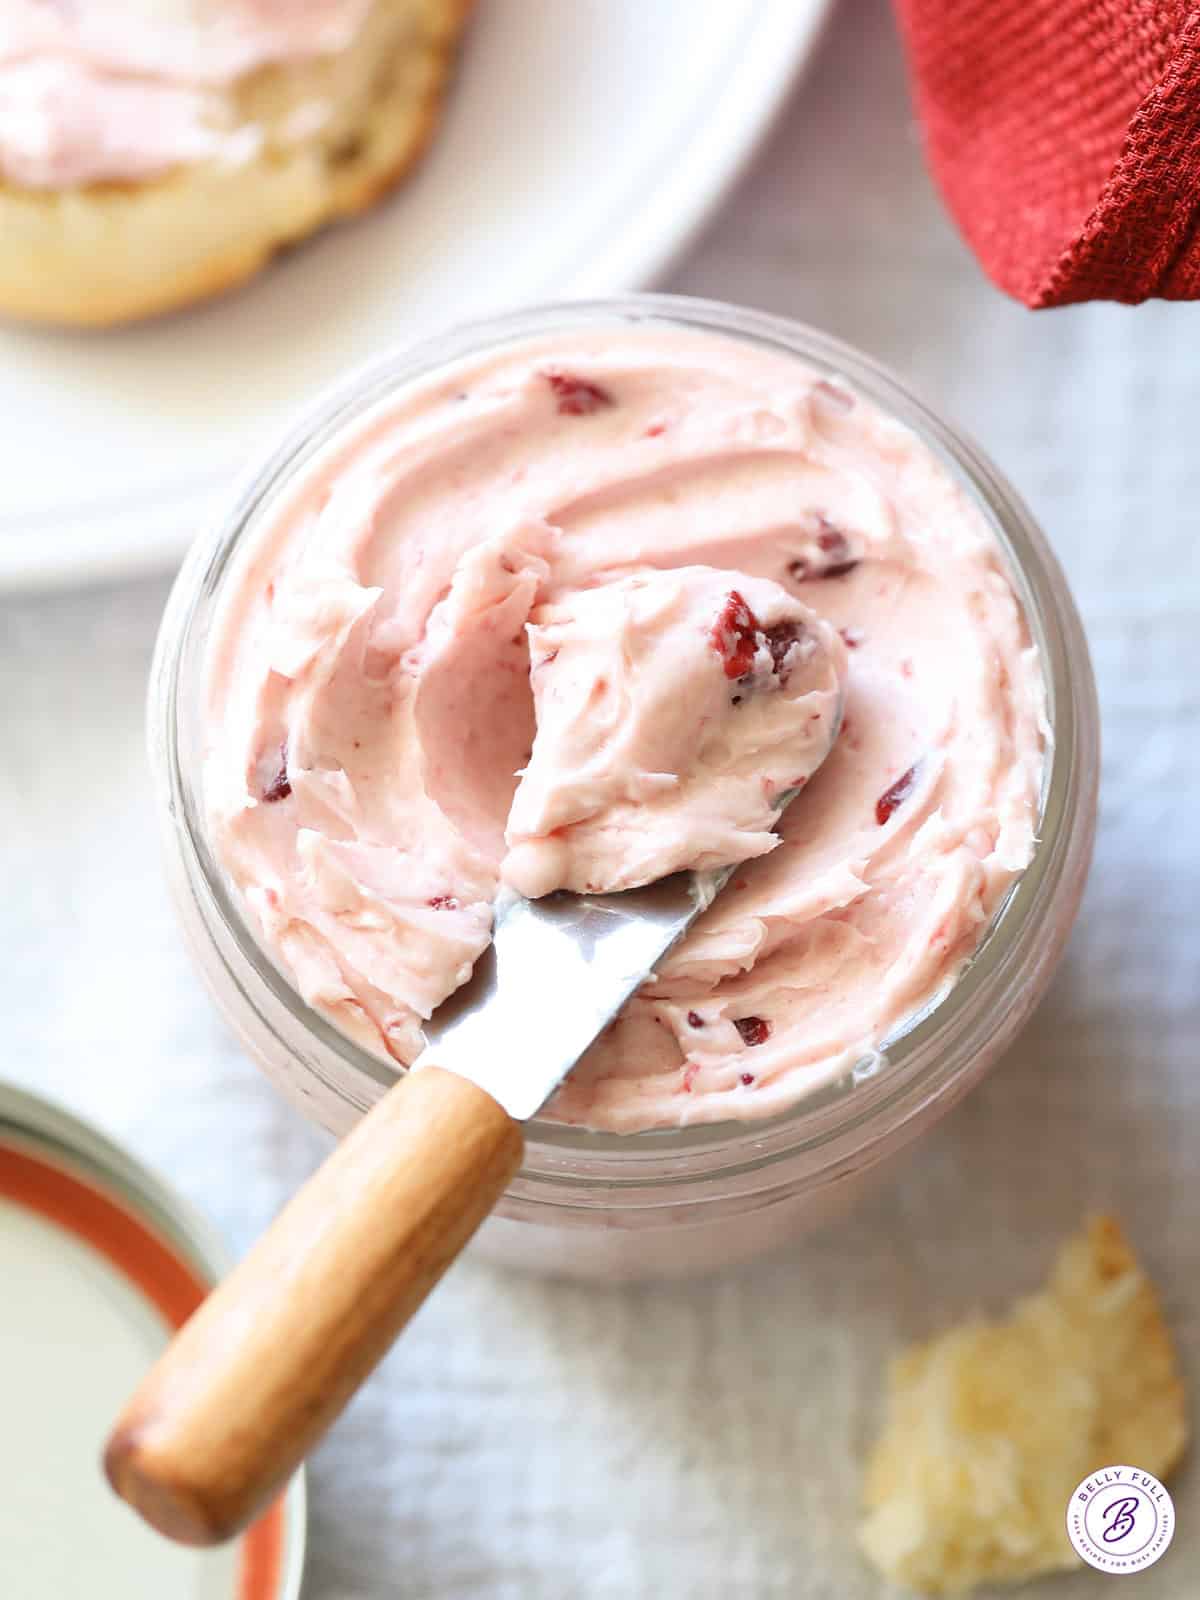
<point x="991" y="1426"/>
<point x="154" y="152"/>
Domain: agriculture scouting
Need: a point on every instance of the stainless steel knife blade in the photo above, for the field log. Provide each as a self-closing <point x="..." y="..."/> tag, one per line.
<point x="557" y="972"/>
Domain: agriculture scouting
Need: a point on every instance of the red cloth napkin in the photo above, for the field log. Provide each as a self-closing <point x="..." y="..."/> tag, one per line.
<point x="1065" y="137"/>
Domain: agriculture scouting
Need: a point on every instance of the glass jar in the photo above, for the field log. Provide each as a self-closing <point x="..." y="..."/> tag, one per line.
<point x="660" y="1203"/>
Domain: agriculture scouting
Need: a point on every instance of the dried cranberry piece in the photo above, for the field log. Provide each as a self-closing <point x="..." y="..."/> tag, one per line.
<point x="833" y="396"/>
<point x="833" y="544"/>
<point x="780" y="639"/>
<point x="733" y="635"/>
<point x="892" y="799"/>
<point x="754" y="1030"/>
<point x="695" y="1020"/>
<point x="577" y="397"/>
<point x="279" y="788"/>
<point x="443" y="902"/>
<point x="839" y="558"/>
<point x="747" y="1078"/>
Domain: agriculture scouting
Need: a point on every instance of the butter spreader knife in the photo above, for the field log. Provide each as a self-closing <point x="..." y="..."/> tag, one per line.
<point x="256" y="1377"/>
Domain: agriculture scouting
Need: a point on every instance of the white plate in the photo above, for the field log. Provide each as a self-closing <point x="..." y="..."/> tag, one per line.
<point x="583" y="145"/>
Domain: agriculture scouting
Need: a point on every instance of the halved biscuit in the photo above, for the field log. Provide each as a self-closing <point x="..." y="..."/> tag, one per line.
<point x="110" y="252"/>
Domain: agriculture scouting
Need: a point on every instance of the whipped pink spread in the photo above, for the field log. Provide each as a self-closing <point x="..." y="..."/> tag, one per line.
<point x="674" y="717"/>
<point x="109" y="90"/>
<point x="569" y="613"/>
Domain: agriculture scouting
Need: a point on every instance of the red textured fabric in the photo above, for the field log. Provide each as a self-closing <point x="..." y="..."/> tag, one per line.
<point x="1065" y="137"/>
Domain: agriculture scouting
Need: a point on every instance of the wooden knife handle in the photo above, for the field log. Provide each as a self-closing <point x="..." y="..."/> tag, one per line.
<point x="261" y="1370"/>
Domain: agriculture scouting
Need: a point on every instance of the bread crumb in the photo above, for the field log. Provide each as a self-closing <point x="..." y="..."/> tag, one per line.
<point x="991" y="1426"/>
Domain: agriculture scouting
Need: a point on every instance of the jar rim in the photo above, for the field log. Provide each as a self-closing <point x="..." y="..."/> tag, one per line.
<point x="915" y="1064"/>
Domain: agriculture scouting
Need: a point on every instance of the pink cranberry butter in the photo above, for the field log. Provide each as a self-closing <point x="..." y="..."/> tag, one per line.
<point x="124" y="90"/>
<point x="560" y="600"/>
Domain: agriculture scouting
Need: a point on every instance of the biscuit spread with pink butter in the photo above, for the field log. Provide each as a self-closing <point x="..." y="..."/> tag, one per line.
<point x="580" y="611"/>
<point x="110" y="90"/>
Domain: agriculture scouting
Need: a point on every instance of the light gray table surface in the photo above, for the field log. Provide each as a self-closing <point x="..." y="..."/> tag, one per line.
<point x="530" y="1439"/>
